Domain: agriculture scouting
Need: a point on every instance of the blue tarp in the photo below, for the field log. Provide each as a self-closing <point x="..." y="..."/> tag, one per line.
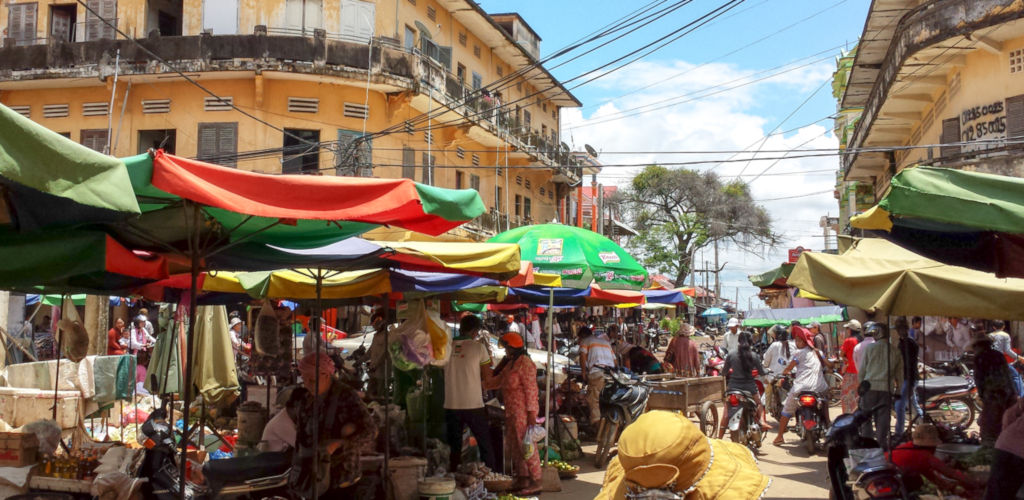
<point x="564" y="297"/>
<point x="420" y="281"/>
<point x="664" y="296"/>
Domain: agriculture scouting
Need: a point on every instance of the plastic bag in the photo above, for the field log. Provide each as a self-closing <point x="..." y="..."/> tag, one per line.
<point x="265" y="335"/>
<point x="47" y="433"/>
<point x="533" y="434"/>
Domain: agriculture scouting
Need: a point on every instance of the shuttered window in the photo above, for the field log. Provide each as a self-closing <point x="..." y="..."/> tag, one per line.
<point x="95" y="27"/>
<point x="474" y="182"/>
<point x="21" y="22"/>
<point x="95" y="139"/>
<point x="428" y="169"/>
<point x="1015" y="120"/>
<point x="409" y="163"/>
<point x="353" y="158"/>
<point x="950" y="134"/>
<point x="218" y="143"/>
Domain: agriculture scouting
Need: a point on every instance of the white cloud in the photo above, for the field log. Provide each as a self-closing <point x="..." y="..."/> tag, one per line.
<point x="729" y="121"/>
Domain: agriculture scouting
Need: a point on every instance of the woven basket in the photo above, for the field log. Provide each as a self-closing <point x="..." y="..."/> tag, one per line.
<point x="499" y="486"/>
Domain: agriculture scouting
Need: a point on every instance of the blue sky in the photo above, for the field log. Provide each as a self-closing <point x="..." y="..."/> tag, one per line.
<point x="627" y="111"/>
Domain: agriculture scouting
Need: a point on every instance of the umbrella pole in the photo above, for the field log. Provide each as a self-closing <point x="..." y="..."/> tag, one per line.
<point x="56" y="376"/>
<point x="387" y="400"/>
<point x="187" y="378"/>
<point x="316" y="381"/>
<point x="549" y="374"/>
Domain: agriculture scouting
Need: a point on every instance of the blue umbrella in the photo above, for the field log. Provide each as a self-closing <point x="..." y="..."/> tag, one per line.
<point x="714" y="311"/>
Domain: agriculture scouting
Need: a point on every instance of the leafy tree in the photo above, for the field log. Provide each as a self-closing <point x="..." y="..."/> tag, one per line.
<point x="679" y="211"/>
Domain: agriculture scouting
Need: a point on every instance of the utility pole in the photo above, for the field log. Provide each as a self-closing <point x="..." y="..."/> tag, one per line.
<point x="718" y="288"/>
<point x="693" y="285"/>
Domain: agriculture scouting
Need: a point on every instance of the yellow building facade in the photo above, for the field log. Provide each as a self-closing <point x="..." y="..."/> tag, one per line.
<point x="937" y="82"/>
<point x="440" y="92"/>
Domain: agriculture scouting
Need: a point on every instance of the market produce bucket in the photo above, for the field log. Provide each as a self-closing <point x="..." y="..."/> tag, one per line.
<point x="405" y="474"/>
<point x="436" y="488"/>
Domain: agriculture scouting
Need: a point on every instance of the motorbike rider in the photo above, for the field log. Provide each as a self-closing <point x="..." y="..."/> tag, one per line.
<point x="776" y="358"/>
<point x="995" y="387"/>
<point x="741" y="368"/>
<point x="809" y="377"/>
<point x="882" y="367"/>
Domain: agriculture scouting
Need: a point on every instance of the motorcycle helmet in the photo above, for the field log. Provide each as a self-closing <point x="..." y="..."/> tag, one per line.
<point x="874" y="329"/>
<point x="780" y="332"/>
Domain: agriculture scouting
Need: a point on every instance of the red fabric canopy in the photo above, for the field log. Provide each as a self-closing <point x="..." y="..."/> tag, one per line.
<point x="599" y="297"/>
<point x="120" y="260"/>
<point x="358" y="199"/>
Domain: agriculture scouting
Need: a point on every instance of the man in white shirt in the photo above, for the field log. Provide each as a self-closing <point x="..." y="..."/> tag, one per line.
<point x="732" y="336"/>
<point x="464" y="376"/>
<point x="1001" y="343"/>
<point x="595" y="354"/>
<point x="513" y="325"/>
<point x="858" y="351"/>
<point x="958" y="335"/>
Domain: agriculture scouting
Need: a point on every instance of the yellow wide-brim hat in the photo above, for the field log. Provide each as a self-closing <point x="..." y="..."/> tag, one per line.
<point x="666" y="450"/>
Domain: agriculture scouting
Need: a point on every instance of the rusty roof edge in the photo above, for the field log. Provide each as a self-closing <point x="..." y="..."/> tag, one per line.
<point x="479" y="10"/>
<point x="857" y="59"/>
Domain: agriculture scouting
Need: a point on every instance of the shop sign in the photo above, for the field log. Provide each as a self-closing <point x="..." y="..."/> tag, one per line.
<point x="982" y="123"/>
<point x="794" y="254"/>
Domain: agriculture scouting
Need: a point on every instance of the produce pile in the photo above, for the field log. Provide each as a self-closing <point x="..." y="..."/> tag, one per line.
<point x="564" y="468"/>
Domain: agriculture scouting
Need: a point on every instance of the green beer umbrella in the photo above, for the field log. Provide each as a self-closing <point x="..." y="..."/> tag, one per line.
<point x="578" y="255"/>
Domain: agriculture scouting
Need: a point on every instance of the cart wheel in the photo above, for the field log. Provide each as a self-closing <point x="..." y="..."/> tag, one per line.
<point x="708" y="418"/>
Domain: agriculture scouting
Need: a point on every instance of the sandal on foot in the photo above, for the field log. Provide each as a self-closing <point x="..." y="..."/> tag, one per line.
<point x="779" y="442"/>
<point x="529" y="492"/>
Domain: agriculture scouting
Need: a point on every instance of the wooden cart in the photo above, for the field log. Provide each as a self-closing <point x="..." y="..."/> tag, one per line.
<point x="690" y="396"/>
<point x="700" y="396"/>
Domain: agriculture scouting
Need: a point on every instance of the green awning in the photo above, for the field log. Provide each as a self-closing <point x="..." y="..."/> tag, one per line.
<point x="775" y="278"/>
<point x="761" y="318"/>
<point x="51" y="180"/>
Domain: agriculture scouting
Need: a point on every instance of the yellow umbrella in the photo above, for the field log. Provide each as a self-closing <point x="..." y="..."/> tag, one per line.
<point x="289" y="284"/>
<point x="879" y="276"/>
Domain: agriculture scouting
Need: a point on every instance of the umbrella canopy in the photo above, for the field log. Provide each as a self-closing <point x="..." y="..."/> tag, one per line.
<point x="301" y="285"/>
<point x="775" y="278"/>
<point x="881" y="277"/>
<point x="714" y="311"/>
<point x="293" y="211"/>
<point x="50" y="180"/>
<point x="805" y="315"/>
<point x="958" y="217"/>
<point x="72" y="260"/>
<point x="578" y="255"/>
<point x="666" y="297"/>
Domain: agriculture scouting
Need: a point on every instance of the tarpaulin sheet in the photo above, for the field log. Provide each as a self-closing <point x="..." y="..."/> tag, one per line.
<point x="805" y="315"/>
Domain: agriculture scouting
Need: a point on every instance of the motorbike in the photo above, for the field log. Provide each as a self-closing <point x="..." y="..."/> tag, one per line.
<point x="951" y="400"/>
<point x="656" y="338"/>
<point x="778" y="394"/>
<point x="872" y="476"/>
<point x="713" y="359"/>
<point x="742" y="414"/>
<point x="623" y="400"/>
<point x="812" y="420"/>
<point x="246" y="477"/>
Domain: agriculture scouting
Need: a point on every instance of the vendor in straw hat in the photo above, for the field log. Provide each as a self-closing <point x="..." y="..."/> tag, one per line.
<point x="341" y="428"/>
<point x="666" y="451"/>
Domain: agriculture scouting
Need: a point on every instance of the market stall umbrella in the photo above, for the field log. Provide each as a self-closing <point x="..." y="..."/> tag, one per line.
<point x="714" y="311"/>
<point x="217" y="208"/>
<point x="775" y="278"/>
<point x="957" y="217"/>
<point x="883" y="278"/>
<point x="578" y="255"/>
<point x="48" y="180"/>
<point x="72" y="260"/>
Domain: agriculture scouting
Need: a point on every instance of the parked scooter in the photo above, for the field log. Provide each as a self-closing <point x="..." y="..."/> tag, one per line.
<point x="742" y="414"/>
<point x="950" y="400"/>
<point x="256" y="476"/>
<point x="872" y="477"/>
<point x="623" y="399"/>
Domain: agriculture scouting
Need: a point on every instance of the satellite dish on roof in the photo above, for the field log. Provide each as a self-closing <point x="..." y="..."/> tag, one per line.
<point x="590" y="149"/>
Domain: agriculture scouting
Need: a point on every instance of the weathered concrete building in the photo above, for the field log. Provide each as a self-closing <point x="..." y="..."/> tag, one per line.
<point x="942" y="79"/>
<point x="327" y="72"/>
